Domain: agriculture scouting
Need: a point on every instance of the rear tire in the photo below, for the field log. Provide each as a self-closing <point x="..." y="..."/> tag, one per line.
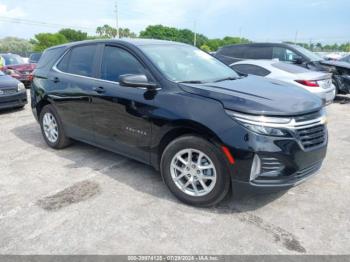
<point x="195" y="171"/>
<point x="52" y="128"/>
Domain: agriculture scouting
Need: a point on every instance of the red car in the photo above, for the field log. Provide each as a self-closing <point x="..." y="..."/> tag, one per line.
<point x="16" y="67"/>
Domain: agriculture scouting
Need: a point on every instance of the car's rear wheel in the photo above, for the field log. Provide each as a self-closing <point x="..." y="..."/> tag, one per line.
<point x="195" y="171"/>
<point x="52" y="129"/>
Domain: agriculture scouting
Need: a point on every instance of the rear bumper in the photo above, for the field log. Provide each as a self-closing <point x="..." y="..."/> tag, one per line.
<point x="328" y="96"/>
<point x="15" y="100"/>
<point x="25" y="79"/>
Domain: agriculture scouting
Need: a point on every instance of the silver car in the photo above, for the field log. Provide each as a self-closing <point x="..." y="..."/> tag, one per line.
<point x="318" y="83"/>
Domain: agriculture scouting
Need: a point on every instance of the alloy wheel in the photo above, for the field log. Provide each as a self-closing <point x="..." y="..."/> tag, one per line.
<point x="193" y="172"/>
<point x="50" y="127"/>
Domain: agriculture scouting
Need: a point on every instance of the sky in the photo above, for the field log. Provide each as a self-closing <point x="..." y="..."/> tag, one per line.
<point x="325" y="21"/>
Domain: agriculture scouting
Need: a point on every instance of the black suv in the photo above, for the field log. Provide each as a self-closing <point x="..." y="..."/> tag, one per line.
<point x="283" y="52"/>
<point x="180" y="110"/>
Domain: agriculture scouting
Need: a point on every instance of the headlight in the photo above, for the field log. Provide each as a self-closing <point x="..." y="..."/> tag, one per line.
<point x="20" y="87"/>
<point x="271" y="126"/>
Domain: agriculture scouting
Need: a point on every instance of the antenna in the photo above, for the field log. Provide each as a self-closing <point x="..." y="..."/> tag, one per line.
<point x="195" y="33"/>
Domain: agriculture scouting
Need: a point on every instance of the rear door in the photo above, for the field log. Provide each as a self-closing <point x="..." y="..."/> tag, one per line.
<point x="120" y="114"/>
<point x="72" y="83"/>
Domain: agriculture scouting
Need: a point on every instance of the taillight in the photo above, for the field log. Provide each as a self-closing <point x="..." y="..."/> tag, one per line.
<point x="307" y="83"/>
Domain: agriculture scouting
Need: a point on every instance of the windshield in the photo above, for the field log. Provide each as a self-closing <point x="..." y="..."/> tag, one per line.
<point x="13" y="60"/>
<point x="1" y="73"/>
<point x="182" y="63"/>
<point x="311" y="55"/>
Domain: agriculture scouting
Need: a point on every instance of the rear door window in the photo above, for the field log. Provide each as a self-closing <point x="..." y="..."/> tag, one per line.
<point x="251" y="69"/>
<point x="116" y="62"/>
<point x="79" y="61"/>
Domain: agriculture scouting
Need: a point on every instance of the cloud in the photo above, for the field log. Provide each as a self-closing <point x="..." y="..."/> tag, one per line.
<point x="138" y="14"/>
<point x="13" y="13"/>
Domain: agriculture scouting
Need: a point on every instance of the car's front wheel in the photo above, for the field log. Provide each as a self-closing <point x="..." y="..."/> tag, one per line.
<point x="52" y="129"/>
<point x="195" y="171"/>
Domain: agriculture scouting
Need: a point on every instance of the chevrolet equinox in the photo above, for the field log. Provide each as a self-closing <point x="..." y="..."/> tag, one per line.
<point x="172" y="106"/>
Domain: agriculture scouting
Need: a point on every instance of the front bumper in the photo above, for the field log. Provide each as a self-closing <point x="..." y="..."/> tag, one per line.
<point x="284" y="162"/>
<point x="278" y="184"/>
<point x="13" y="100"/>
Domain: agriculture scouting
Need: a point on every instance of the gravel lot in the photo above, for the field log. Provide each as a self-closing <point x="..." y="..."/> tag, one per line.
<point x="83" y="200"/>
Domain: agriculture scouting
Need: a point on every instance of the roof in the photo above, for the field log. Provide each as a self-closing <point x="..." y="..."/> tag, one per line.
<point x="262" y="44"/>
<point x="132" y="41"/>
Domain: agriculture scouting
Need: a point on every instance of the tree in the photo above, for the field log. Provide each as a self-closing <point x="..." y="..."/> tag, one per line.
<point x="45" y="40"/>
<point x="15" y="45"/>
<point x="172" y="34"/>
<point x="73" y="35"/>
<point x="126" y="33"/>
<point x="205" y="48"/>
<point x="215" y="44"/>
<point x="106" y="31"/>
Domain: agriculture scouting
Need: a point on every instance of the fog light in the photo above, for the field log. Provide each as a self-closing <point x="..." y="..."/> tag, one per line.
<point x="256" y="168"/>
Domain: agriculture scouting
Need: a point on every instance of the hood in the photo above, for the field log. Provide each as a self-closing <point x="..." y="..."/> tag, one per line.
<point x="259" y="96"/>
<point x="8" y="82"/>
<point x="22" y="67"/>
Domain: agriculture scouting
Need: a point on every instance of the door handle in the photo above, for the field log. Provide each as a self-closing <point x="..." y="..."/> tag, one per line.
<point x="56" y="79"/>
<point x="99" y="89"/>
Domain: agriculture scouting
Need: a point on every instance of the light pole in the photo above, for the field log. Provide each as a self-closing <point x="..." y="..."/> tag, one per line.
<point x="117" y="18"/>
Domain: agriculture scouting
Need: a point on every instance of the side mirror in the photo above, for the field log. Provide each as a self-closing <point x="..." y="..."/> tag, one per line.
<point x="136" y="81"/>
<point x="298" y="60"/>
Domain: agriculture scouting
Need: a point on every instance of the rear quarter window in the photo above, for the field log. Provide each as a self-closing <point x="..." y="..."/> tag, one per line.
<point x="233" y="51"/>
<point x="49" y="57"/>
<point x="259" y="52"/>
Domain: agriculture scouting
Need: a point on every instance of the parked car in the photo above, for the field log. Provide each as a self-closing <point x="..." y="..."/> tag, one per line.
<point x="34" y="57"/>
<point x="182" y="111"/>
<point x="12" y="92"/>
<point x="285" y="53"/>
<point x="341" y="75"/>
<point x="318" y="83"/>
<point x="16" y="67"/>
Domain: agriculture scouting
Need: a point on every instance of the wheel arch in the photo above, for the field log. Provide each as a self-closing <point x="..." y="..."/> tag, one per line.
<point x="181" y="128"/>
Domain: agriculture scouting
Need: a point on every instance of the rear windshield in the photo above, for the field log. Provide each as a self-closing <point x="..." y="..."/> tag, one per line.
<point x="290" y="68"/>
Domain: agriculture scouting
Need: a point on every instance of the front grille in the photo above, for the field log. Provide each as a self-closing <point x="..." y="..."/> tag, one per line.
<point x="8" y="91"/>
<point x="312" y="136"/>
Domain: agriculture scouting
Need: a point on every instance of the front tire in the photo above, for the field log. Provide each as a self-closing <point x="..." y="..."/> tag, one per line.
<point x="52" y="128"/>
<point x="195" y="171"/>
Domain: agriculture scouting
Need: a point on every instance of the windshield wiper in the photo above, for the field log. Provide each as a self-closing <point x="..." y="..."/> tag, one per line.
<point x="191" y="82"/>
<point x="227" y="78"/>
